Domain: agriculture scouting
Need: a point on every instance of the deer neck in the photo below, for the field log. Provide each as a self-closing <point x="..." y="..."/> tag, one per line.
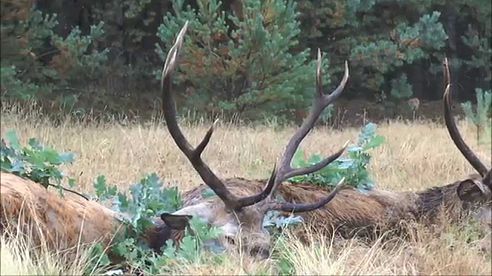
<point x="431" y="202"/>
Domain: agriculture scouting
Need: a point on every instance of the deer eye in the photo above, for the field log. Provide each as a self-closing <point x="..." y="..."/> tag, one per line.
<point x="260" y="252"/>
<point x="230" y="240"/>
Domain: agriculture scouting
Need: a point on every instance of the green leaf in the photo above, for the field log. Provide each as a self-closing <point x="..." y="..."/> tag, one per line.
<point x="71" y="182"/>
<point x="375" y="142"/>
<point x="13" y="140"/>
<point x="50" y="156"/>
<point x="35" y="144"/>
<point x="170" y="250"/>
<point x="17" y="167"/>
<point x="207" y="193"/>
<point x="123" y="201"/>
<point x="188" y="248"/>
<point x="67" y="157"/>
<point x="298" y="159"/>
<point x="97" y="258"/>
<point x="100" y="185"/>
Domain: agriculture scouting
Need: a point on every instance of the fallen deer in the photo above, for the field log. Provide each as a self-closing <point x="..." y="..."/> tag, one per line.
<point x="241" y="204"/>
<point x="235" y="210"/>
<point x="348" y="212"/>
<point x="238" y="207"/>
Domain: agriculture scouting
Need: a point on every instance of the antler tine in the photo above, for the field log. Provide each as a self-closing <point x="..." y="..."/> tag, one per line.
<point x="194" y="154"/>
<point x="250" y="200"/>
<point x="299" y="207"/>
<point x="453" y="129"/>
<point x="320" y="102"/>
<point x="318" y="166"/>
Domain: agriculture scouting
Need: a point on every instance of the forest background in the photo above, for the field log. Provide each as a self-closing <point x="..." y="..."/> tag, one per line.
<point x="252" y="60"/>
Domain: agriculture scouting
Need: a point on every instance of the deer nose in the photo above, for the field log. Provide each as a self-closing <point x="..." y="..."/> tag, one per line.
<point x="260" y="252"/>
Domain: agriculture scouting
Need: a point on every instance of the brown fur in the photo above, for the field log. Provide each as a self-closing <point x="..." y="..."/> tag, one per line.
<point x="349" y="208"/>
<point x="352" y="211"/>
<point x="60" y="222"/>
<point x="64" y="222"/>
<point x="157" y="236"/>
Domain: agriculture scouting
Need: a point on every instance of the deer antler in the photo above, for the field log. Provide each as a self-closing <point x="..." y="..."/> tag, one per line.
<point x="194" y="154"/>
<point x="453" y="129"/>
<point x="320" y="102"/>
<point x="306" y="207"/>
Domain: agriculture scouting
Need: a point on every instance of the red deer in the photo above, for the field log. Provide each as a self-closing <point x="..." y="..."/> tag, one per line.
<point x="242" y="210"/>
<point x="46" y="216"/>
<point x="348" y="212"/>
<point x="233" y="210"/>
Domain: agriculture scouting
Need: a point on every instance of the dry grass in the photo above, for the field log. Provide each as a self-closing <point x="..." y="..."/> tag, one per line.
<point x="426" y="254"/>
<point x="22" y="255"/>
<point x="416" y="155"/>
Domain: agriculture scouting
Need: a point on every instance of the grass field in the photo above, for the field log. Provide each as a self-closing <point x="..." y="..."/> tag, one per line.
<point x="415" y="156"/>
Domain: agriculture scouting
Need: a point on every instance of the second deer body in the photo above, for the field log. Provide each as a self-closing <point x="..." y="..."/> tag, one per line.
<point x="241" y="204"/>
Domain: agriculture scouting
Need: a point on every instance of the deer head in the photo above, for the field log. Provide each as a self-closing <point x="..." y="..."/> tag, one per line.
<point x="231" y="213"/>
<point x="474" y="191"/>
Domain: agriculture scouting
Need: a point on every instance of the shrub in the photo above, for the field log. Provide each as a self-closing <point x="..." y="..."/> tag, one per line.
<point x="36" y="61"/>
<point x="241" y="63"/>
<point x="482" y="116"/>
<point x="34" y="161"/>
<point x="353" y="168"/>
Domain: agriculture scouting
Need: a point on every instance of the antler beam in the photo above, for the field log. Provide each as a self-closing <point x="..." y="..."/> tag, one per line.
<point x="320" y="102"/>
<point x="285" y="171"/>
<point x="194" y="154"/>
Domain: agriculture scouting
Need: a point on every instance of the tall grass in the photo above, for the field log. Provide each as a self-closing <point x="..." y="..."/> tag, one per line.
<point x="426" y="253"/>
<point x="23" y="255"/>
<point x="415" y="156"/>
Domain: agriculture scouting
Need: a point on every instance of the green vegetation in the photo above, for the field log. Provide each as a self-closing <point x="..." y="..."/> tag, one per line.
<point x="33" y="161"/>
<point x="354" y="168"/>
<point x="482" y="117"/>
<point x="149" y="197"/>
<point x="252" y="69"/>
<point x="251" y="59"/>
<point x="26" y="43"/>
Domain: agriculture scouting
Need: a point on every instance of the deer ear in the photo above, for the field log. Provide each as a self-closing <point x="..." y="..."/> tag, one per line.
<point x="177" y="222"/>
<point x="471" y="190"/>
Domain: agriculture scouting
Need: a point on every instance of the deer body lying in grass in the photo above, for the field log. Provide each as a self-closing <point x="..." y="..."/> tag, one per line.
<point x="43" y="214"/>
<point x="240" y="205"/>
<point x="233" y="213"/>
<point x="234" y="210"/>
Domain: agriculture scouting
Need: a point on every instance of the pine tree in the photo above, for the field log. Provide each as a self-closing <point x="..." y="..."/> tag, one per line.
<point x="242" y="62"/>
